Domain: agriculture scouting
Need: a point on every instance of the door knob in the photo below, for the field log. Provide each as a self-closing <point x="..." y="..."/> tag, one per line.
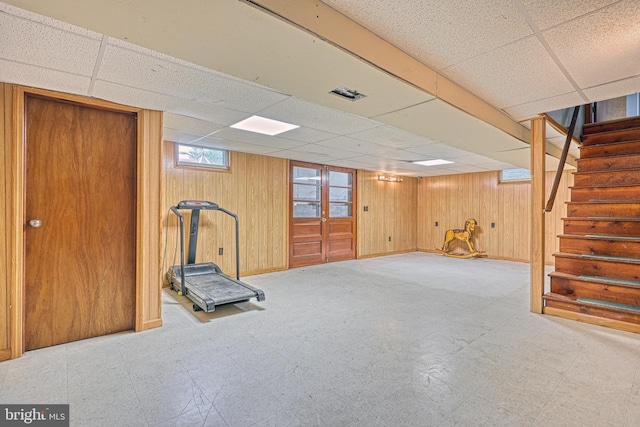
<point x="324" y="219"/>
<point x="35" y="223"/>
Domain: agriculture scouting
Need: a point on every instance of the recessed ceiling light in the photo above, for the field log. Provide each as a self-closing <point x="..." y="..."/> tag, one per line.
<point x="435" y="162"/>
<point x="263" y="125"/>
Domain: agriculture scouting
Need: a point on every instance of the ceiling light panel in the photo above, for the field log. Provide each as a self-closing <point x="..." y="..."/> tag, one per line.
<point x="434" y="162"/>
<point x="264" y="126"/>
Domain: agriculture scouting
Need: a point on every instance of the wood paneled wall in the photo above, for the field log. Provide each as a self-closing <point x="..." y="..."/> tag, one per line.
<point x="148" y="275"/>
<point x="451" y="200"/>
<point x="391" y="212"/>
<point x="255" y="188"/>
<point x="5" y="319"/>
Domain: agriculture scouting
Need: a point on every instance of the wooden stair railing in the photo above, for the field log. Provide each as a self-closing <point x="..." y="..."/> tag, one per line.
<point x="563" y="160"/>
<point x="597" y="273"/>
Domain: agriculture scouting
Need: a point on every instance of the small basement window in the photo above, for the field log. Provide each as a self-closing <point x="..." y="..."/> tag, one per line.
<point x="202" y="157"/>
<point x="515" y="174"/>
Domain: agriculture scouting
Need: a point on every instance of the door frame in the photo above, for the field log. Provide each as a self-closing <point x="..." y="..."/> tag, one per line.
<point x="148" y="217"/>
<point x="324" y="197"/>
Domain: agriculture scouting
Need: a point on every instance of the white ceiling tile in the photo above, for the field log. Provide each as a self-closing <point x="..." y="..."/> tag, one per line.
<point x="439" y="151"/>
<point x="303" y="113"/>
<point x="307" y="135"/>
<point x="304" y="156"/>
<point x="256" y="139"/>
<point x="518" y="158"/>
<point x="548" y="13"/>
<point x="465" y="168"/>
<point x="185" y="137"/>
<point x="154" y="74"/>
<point x="155" y="101"/>
<point x="614" y="89"/>
<point x="404" y="155"/>
<point x="473" y="159"/>
<point x="45" y="20"/>
<point x="353" y="164"/>
<point x="440" y="121"/>
<point x="189" y="124"/>
<point x="439" y="33"/>
<point x="510" y="74"/>
<point x="235" y="146"/>
<point x="600" y="47"/>
<point x="532" y="109"/>
<point x="355" y="145"/>
<point x="41" y="45"/>
<point x="522" y="159"/>
<point x="495" y="166"/>
<point x="29" y="75"/>
<point x="392" y="137"/>
<point x="321" y="150"/>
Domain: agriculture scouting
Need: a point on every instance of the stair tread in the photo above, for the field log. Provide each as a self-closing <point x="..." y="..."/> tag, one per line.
<point x="610" y="122"/>
<point x="601" y="218"/>
<point x="628" y="201"/>
<point x="627" y="260"/>
<point x="604" y="171"/>
<point x="609" y="304"/>
<point x="607" y="144"/>
<point x="600" y="237"/>
<point x="608" y="201"/>
<point x="597" y="279"/>
<point x="608" y="157"/>
<point x="592" y="302"/>
<point x="612" y="280"/>
<point x="599" y="186"/>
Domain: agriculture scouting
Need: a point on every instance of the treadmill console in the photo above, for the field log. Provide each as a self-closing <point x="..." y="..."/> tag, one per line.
<point x="197" y="204"/>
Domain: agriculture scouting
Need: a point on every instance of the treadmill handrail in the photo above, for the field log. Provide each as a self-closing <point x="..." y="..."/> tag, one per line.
<point x="206" y="205"/>
<point x="183" y="286"/>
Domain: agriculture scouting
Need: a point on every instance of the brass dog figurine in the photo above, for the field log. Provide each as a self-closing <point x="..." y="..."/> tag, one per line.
<point x="462" y="235"/>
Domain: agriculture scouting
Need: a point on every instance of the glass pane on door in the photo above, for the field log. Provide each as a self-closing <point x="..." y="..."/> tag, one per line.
<point x="306" y="209"/>
<point x="340" y="179"/>
<point x="306" y="192"/>
<point x="340" y="210"/>
<point x="307" y="175"/>
<point x="337" y="194"/>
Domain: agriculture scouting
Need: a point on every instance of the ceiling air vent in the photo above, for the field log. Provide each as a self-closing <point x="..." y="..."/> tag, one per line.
<point x="350" y="94"/>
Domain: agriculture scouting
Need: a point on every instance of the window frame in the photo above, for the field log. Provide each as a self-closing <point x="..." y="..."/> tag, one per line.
<point x="204" y="166"/>
<point x="502" y="180"/>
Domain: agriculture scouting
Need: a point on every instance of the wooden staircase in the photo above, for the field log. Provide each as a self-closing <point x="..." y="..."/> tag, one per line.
<point x="597" y="275"/>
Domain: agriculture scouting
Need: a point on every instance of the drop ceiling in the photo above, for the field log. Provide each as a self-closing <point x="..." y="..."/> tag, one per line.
<point x="210" y="64"/>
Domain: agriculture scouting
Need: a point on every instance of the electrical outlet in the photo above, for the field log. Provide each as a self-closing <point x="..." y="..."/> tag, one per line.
<point x="220" y="251"/>
<point x="493" y="225"/>
<point x="436" y="223"/>
<point x="389" y="238"/>
<point x="366" y="208"/>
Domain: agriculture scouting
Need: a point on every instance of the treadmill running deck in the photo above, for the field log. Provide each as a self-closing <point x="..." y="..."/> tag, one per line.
<point x="208" y="287"/>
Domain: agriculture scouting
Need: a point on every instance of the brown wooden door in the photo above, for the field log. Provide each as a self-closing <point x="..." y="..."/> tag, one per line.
<point x="322" y="214"/>
<point x="79" y="279"/>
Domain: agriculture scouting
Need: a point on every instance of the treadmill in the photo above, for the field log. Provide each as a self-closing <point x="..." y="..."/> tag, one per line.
<point x="204" y="283"/>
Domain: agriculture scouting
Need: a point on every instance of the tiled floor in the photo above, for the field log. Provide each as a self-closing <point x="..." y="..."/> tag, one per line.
<point x="407" y="340"/>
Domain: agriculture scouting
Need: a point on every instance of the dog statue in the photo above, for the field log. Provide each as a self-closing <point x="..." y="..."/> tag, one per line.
<point x="462" y="235"/>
